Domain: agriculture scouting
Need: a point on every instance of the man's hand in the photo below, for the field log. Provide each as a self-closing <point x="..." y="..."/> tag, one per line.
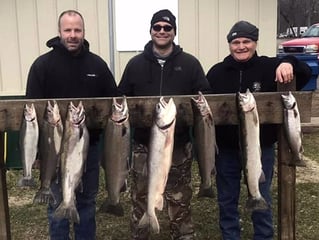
<point x="284" y="73"/>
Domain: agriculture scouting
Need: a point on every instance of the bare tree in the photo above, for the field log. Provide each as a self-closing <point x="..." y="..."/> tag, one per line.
<point x="297" y="13"/>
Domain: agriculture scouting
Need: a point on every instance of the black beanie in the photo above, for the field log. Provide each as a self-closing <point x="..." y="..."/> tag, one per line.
<point x="164" y="15"/>
<point x="243" y="29"/>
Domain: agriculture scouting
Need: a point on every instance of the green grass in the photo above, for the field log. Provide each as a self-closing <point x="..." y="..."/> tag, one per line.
<point x="29" y="221"/>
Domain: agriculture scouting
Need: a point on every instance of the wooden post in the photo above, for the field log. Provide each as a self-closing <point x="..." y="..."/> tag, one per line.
<point x="4" y="208"/>
<point x="286" y="182"/>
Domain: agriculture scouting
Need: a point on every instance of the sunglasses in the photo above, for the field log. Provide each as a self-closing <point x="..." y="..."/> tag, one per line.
<point x="157" y="28"/>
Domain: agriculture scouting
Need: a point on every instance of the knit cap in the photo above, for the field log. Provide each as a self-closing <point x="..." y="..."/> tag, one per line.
<point x="243" y="29"/>
<point x="164" y="15"/>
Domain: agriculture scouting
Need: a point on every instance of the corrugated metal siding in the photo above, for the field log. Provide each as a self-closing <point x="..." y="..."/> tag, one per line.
<point x="26" y="25"/>
<point x="204" y="25"/>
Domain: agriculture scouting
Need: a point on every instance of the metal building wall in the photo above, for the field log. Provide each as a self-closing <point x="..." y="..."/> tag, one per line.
<point x="26" y="25"/>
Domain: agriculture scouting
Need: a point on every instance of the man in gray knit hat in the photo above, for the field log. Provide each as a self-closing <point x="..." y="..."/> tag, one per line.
<point x="243" y="69"/>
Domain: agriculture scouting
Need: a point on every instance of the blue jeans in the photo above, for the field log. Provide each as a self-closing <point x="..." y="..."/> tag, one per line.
<point x="228" y="166"/>
<point x="85" y="203"/>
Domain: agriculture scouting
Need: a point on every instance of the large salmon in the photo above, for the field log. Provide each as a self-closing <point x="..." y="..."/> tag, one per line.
<point x="49" y="148"/>
<point x="116" y="156"/>
<point x="74" y="149"/>
<point x="29" y="137"/>
<point x="250" y="149"/>
<point x="159" y="160"/>
<point x="292" y="128"/>
<point x="204" y="143"/>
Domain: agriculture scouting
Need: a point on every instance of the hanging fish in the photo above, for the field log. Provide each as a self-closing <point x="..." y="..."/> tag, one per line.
<point x="51" y="133"/>
<point x="292" y="128"/>
<point x="29" y="137"/>
<point x="116" y="156"/>
<point x="250" y="149"/>
<point x="159" y="160"/>
<point x="204" y="143"/>
<point x="74" y="150"/>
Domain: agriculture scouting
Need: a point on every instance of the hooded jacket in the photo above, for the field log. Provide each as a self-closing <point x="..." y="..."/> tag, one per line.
<point x="181" y="74"/>
<point x="59" y="74"/>
<point x="257" y="74"/>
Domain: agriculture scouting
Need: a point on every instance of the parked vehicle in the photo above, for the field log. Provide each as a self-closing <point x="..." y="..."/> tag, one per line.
<point x="305" y="48"/>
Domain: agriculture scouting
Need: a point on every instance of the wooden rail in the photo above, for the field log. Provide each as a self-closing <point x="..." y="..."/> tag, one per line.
<point x="141" y="111"/>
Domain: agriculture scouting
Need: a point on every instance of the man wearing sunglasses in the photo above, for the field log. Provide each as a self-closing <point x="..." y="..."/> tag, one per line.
<point x="163" y="69"/>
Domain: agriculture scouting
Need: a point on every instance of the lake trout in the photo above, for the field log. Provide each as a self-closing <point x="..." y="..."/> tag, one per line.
<point x="29" y="137"/>
<point x="250" y="149"/>
<point x="292" y="127"/>
<point x="159" y="159"/>
<point x="116" y="156"/>
<point x="49" y="148"/>
<point x="204" y="143"/>
<point x="74" y="149"/>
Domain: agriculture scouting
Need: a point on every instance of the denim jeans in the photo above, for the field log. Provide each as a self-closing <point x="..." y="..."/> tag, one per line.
<point x="85" y="203"/>
<point x="228" y="177"/>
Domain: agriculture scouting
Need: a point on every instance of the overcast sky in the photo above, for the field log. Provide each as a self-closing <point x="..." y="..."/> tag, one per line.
<point x="132" y="21"/>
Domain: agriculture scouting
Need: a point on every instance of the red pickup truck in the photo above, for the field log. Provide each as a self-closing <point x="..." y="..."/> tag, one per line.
<point x="305" y="48"/>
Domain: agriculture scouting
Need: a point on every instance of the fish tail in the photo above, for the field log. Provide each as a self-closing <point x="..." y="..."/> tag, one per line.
<point x="206" y="192"/>
<point x="147" y="220"/>
<point x="144" y="221"/>
<point x="26" y="182"/>
<point x="70" y="212"/>
<point x="154" y="223"/>
<point x="44" y="196"/>
<point x="253" y="204"/>
<point x="299" y="162"/>
<point x="116" y="210"/>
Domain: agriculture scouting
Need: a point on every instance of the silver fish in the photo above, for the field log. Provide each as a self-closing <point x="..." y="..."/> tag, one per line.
<point x="159" y="160"/>
<point x="292" y="128"/>
<point x="29" y="137"/>
<point x="74" y="149"/>
<point x="49" y="148"/>
<point x="116" y="156"/>
<point x="204" y="143"/>
<point x="250" y="148"/>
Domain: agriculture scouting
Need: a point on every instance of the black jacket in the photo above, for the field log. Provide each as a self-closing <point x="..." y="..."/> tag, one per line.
<point x="59" y="74"/>
<point x="182" y="74"/>
<point x="257" y="74"/>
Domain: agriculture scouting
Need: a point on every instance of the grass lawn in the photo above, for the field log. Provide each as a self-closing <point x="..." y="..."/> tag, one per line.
<point x="28" y="221"/>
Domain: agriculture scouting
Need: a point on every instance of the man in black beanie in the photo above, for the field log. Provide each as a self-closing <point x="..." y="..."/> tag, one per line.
<point x="163" y="68"/>
<point x="241" y="70"/>
<point x="164" y="16"/>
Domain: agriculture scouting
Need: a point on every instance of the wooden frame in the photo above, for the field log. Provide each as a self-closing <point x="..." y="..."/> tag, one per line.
<point x="141" y="111"/>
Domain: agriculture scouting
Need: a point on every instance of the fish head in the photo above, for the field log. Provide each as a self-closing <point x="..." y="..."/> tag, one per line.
<point x="52" y="113"/>
<point x="288" y="100"/>
<point x="29" y="112"/>
<point x="246" y="101"/>
<point x="76" y="115"/>
<point x="165" y="112"/>
<point x="119" y="111"/>
<point x="201" y="105"/>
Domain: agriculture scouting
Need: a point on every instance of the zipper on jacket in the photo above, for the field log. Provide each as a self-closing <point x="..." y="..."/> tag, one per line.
<point x="161" y="62"/>
<point x="240" y="79"/>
